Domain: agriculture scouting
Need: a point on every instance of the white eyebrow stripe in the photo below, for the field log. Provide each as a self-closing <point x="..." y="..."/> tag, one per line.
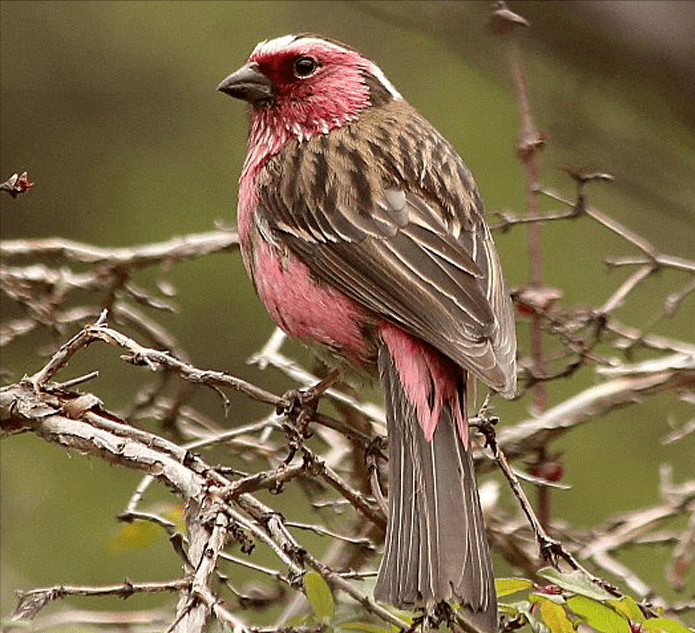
<point x="377" y="72"/>
<point x="286" y="42"/>
<point x="271" y="46"/>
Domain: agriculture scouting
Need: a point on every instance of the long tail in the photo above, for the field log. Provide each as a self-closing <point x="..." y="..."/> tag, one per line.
<point x="436" y="546"/>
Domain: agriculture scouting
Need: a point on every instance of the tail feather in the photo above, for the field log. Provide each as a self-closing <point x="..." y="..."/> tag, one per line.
<point x="436" y="546"/>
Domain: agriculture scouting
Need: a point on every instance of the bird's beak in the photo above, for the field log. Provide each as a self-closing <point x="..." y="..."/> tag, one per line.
<point x="250" y="84"/>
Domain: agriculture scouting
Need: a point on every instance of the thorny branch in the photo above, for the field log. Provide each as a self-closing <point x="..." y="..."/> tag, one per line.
<point x="37" y="401"/>
<point x="529" y="142"/>
<point x="540" y="308"/>
<point x="216" y="508"/>
<point x="64" y="287"/>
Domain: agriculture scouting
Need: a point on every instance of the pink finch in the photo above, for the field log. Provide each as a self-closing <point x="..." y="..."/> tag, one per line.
<point x="363" y="233"/>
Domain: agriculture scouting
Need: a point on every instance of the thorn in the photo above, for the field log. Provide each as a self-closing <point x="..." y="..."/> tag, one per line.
<point x="527" y="144"/>
<point x="503" y="20"/>
<point x="581" y="177"/>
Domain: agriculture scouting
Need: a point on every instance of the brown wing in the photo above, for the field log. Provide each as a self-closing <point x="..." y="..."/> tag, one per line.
<point x="385" y="210"/>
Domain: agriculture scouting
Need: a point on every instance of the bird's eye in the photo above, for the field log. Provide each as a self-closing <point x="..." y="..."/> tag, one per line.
<point x="305" y="67"/>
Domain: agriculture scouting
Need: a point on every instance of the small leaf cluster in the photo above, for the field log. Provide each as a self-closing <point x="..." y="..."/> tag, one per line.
<point x="572" y="599"/>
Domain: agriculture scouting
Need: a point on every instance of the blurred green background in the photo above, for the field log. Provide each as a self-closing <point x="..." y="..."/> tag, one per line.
<point x="111" y="108"/>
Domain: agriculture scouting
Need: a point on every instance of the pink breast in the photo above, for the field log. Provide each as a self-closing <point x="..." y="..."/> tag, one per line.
<point x="305" y="309"/>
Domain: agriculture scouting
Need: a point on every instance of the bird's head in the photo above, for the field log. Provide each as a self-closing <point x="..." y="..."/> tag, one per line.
<point x="302" y="85"/>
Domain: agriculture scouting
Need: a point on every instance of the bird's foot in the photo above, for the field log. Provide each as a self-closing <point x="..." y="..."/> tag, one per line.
<point x="298" y="407"/>
<point x="304" y="401"/>
<point x="431" y="617"/>
<point x="485" y="423"/>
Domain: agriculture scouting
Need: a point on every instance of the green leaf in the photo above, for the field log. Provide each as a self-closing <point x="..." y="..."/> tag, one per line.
<point x="556" y="598"/>
<point x="140" y="534"/>
<point x="628" y="607"/>
<point x="366" y="627"/>
<point x="319" y="596"/>
<point x="509" y="609"/>
<point x="534" y="621"/>
<point x="597" y="615"/>
<point x="175" y="514"/>
<point x="554" y="616"/>
<point x="663" y="625"/>
<point x="132" y="536"/>
<point x="507" y="586"/>
<point x="576" y="582"/>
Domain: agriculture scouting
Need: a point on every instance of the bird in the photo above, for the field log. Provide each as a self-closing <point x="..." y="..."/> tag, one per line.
<point x="363" y="233"/>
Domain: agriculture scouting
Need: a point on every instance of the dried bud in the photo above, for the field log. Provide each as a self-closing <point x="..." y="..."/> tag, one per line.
<point x="535" y="300"/>
<point x="502" y="20"/>
<point x="16" y="185"/>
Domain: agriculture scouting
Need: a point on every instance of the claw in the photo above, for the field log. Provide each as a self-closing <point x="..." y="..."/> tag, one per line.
<point x="300" y="400"/>
<point x="298" y="406"/>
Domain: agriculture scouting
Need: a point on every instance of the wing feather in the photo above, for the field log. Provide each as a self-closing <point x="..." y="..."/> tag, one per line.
<point x="402" y="236"/>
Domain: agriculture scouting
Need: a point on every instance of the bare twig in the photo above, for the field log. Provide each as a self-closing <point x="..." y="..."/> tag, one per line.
<point x="150" y="620"/>
<point x="587" y="405"/>
<point x="623" y="530"/>
<point x="31" y="602"/>
<point x="188" y="247"/>
<point x="529" y="143"/>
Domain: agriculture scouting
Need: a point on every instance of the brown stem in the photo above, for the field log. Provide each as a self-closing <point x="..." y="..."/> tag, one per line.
<point x="528" y="144"/>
